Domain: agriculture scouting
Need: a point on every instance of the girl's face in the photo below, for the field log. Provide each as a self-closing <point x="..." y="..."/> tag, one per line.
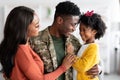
<point x="87" y="34"/>
<point x="33" y="28"/>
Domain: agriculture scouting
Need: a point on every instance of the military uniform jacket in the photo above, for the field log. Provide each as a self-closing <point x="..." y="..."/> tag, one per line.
<point x="44" y="47"/>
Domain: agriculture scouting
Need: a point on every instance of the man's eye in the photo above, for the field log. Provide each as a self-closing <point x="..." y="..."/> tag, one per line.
<point x="74" y="24"/>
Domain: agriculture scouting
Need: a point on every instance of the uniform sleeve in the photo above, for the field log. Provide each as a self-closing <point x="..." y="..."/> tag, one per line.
<point x="28" y="66"/>
<point x="89" y="58"/>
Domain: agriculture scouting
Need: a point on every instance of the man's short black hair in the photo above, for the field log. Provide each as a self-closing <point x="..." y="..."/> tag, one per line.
<point x="67" y="8"/>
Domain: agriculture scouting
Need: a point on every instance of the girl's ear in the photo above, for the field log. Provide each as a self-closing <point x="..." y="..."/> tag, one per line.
<point x="94" y="32"/>
<point x="59" y="20"/>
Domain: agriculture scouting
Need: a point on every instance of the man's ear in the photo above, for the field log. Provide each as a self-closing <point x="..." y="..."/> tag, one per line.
<point x="59" y="20"/>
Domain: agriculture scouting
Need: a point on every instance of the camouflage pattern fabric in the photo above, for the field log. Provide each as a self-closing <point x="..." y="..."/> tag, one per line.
<point x="44" y="47"/>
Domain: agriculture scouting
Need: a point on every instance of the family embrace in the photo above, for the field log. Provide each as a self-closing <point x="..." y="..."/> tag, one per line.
<point x="53" y="53"/>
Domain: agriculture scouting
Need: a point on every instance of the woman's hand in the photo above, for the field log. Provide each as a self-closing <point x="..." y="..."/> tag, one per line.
<point x="68" y="61"/>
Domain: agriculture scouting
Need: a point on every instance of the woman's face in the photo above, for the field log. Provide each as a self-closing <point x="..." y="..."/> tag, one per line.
<point x="33" y="28"/>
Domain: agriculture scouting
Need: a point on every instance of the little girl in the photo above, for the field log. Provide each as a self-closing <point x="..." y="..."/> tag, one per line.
<point x="91" y="27"/>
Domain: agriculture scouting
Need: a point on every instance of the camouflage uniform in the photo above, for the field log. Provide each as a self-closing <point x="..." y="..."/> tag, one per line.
<point x="44" y="47"/>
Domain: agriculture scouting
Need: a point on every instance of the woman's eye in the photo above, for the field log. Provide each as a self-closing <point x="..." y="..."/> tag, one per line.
<point x="37" y="26"/>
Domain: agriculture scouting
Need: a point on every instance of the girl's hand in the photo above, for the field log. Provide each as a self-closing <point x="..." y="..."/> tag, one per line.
<point x="70" y="48"/>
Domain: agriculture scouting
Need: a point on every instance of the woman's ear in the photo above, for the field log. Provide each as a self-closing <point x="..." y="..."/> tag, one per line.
<point x="59" y="20"/>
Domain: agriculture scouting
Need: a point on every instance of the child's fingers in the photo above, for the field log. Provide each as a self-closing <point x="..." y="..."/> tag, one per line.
<point x="70" y="58"/>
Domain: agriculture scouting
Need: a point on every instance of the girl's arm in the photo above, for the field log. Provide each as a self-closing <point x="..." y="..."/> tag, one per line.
<point x="89" y="58"/>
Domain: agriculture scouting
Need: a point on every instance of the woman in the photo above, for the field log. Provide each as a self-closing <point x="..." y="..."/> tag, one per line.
<point x="18" y="60"/>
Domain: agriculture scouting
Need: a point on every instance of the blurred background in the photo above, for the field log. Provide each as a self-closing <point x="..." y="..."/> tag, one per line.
<point x="108" y="9"/>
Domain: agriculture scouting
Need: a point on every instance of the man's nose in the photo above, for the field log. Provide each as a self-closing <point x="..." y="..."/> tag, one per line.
<point x="73" y="29"/>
